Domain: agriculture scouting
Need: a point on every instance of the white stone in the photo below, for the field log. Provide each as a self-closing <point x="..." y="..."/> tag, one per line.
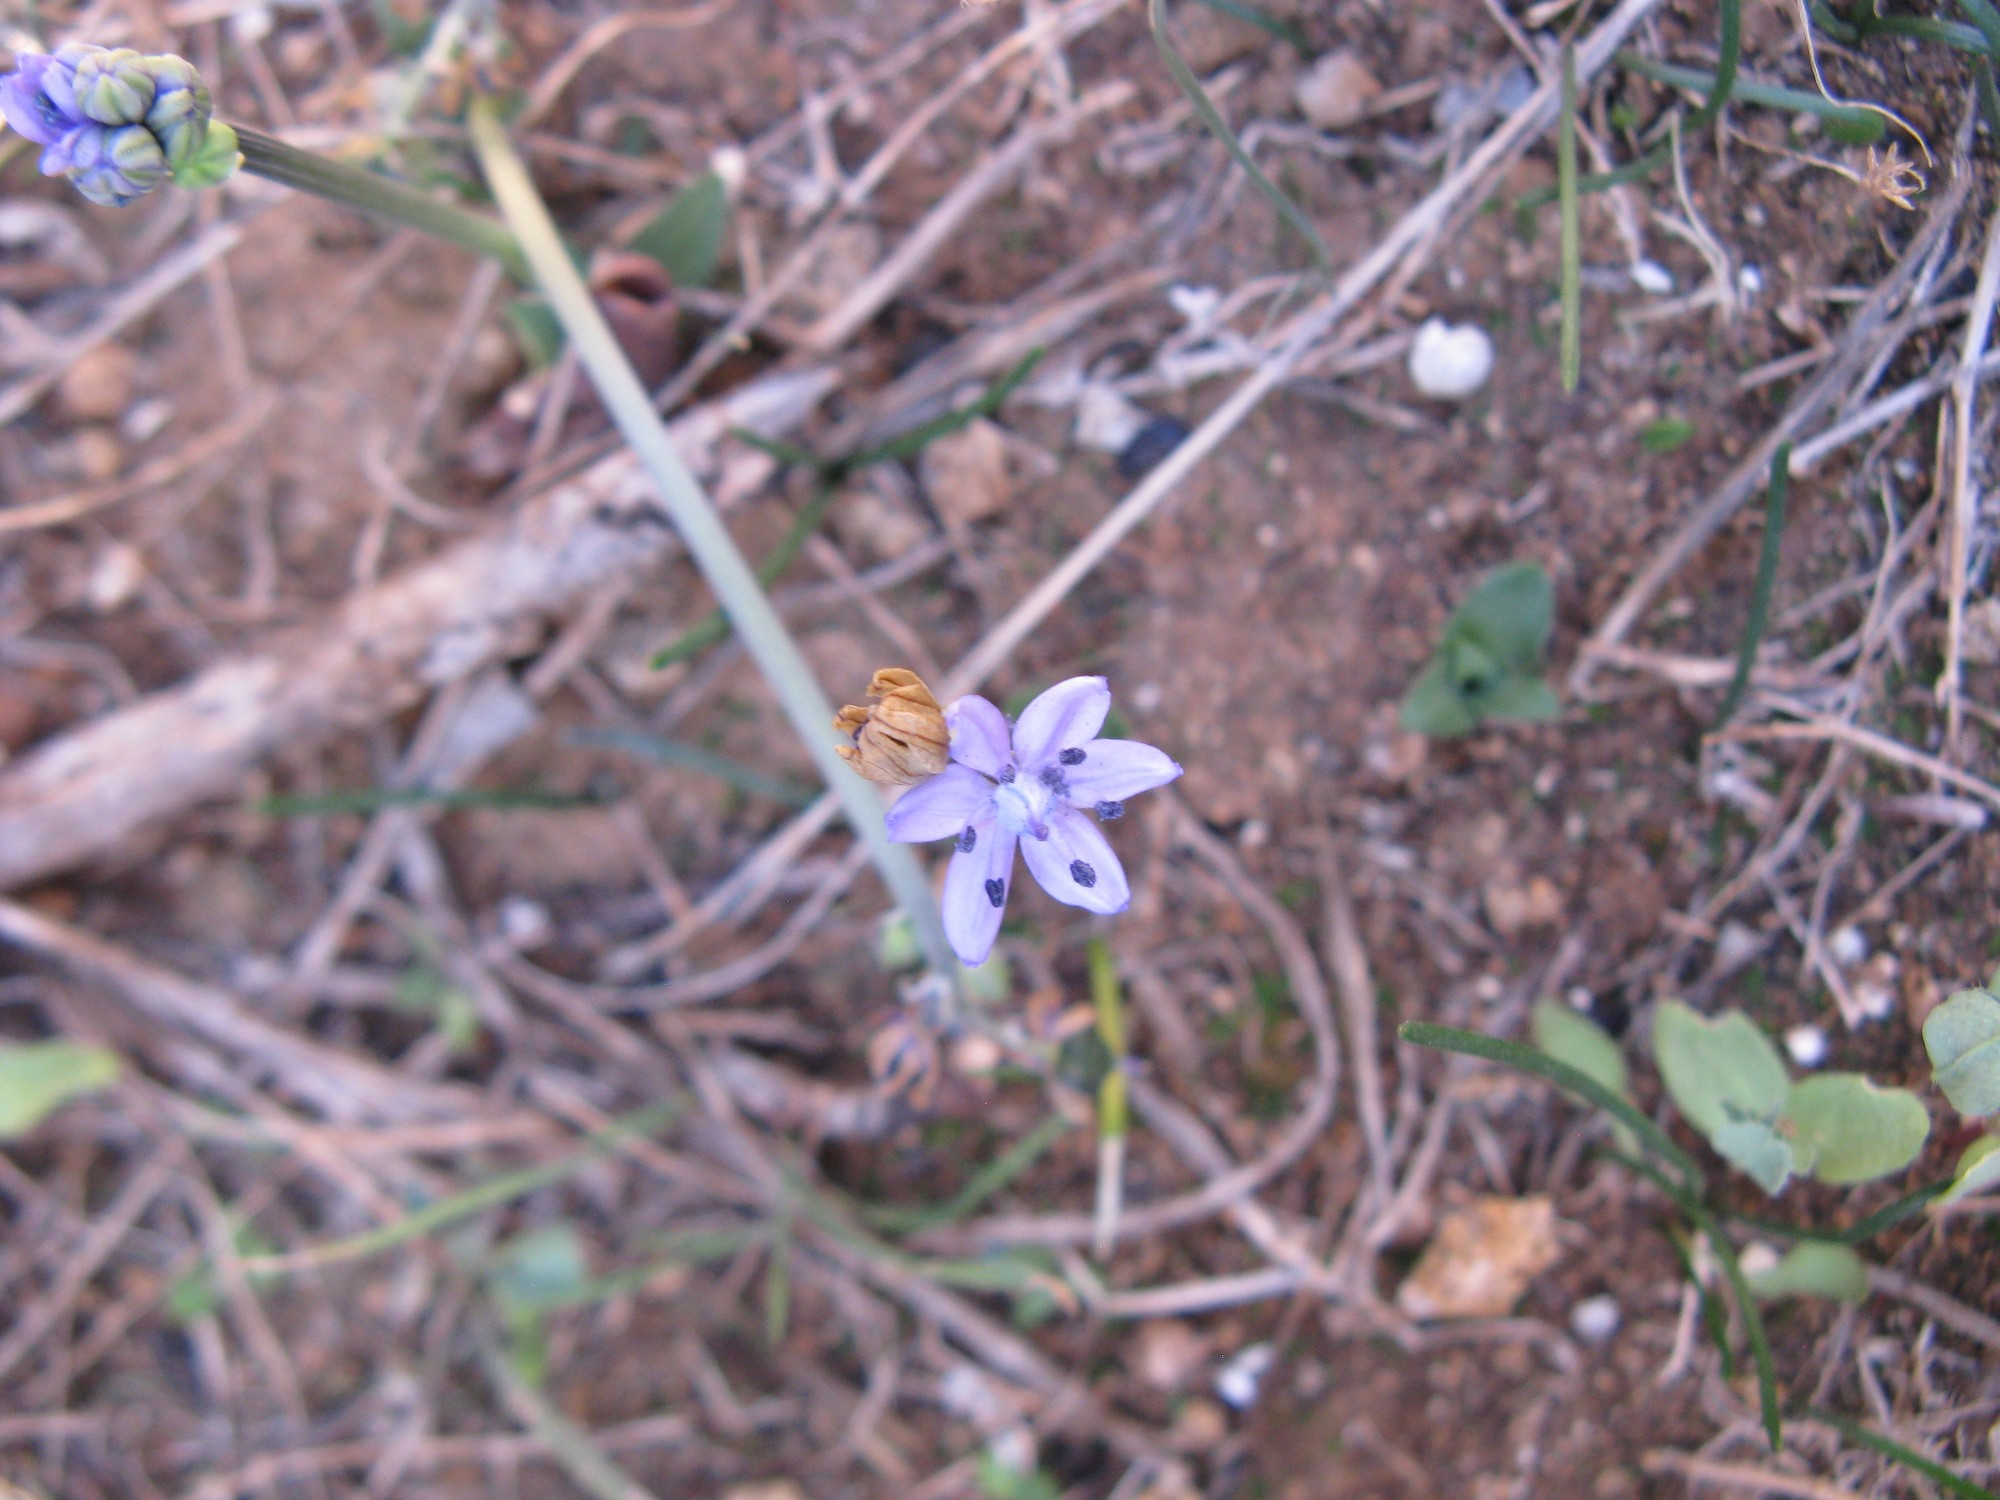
<point x="1238" y="1381"/>
<point x="1846" y="946"/>
<point x="1807" y="1045"/>
<point x="1337" y="91"/>
<point x="1651" y="276"/>
<point x="1449" y="363"/>
<point x="1595" y="1319"/>
<point x="1106" y="421"/>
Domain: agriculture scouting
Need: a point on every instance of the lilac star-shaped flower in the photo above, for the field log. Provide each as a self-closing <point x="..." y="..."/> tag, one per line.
<point x="1030" y="786"/>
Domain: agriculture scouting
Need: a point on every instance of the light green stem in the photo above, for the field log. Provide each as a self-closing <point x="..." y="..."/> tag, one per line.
<point x="371" y="192"/>
<point x="728" y="572"/>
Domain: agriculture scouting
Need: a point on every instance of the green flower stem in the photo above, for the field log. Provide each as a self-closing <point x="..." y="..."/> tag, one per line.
<point x="714" y="550"/>
<point x="371" y="192"/>
<point x="1570" y="1080"/>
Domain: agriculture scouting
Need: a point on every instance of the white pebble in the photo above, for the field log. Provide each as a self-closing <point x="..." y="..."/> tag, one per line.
<point x="1651" y="276"/>
<point x="1807" y="1044"/>
<point x="1106" y="421"/>
<point x="1749" y="281"/>
<point x="525" y="923"/>
<point x="1846" y="946"/>
<point x="1449" y="363"/>
<point x="1595" y="1319"/>
<point x="1758" y="1259"/>
<point x="1237" y="1381"/>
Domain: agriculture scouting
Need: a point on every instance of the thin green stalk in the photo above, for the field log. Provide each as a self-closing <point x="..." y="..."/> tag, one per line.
<point x="1204" y="107"/>
<point x="1570" y="1080"/>
<point x="489" y="1194"/>
<point x="988" y="1180"/>
<point x="373" y="799"/>
<point x="1571" y="250"/>
<point x="308" y="172"/>
<point x="701" y="530"/>
<point x="1113" y="1103"/>
<point x="1909" y="1206"/>
<point x="666" y="752"/>
<point x="710" y="629"/>
<point x="1767" y="579"/>
<point x="1729" y="51"/>
<point x="1909" y="1458"/>
<point x="1771" y="96"/>
<point x="1753" y="1324"/>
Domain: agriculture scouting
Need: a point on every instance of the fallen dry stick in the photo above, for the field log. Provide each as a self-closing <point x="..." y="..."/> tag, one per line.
<point x="85" y="792"/>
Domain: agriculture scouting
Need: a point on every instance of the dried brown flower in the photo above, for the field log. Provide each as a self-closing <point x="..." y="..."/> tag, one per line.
<point x="1891" y="179"/>
<point x="902" y="739"/>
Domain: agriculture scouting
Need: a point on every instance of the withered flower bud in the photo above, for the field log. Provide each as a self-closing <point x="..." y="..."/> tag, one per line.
<point x="901" y="739"/>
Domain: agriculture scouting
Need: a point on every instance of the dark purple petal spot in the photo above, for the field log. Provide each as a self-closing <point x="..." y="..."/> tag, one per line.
<point x="967" y="837"/>
<point x="1071" y="757"/>
<point x="1082" y="874"/>
<point x="1006" y="775"/>
<point x="996" y="892"/>
<point x="1108" y="810"/>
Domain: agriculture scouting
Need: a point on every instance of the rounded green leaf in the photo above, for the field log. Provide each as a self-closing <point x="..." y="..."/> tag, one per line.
<point x="1845" y="1129"/>
<point x="1718" y="1072"/>
<point x="1758" y="1152"/>
<point x="38" y="1077"/>
<point x="1963" y="1038"/>
<point x="1814" y="1268"/>
<point x="1978" y="1170"/>
<point x="1569" y="1036"/>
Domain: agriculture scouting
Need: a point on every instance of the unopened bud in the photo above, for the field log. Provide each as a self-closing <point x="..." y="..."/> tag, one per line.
<point x="901" y="739"/>
<point x="114" y="87"/>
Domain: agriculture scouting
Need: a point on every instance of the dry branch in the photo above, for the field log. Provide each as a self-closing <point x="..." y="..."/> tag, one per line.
<point x="86" y="792"/>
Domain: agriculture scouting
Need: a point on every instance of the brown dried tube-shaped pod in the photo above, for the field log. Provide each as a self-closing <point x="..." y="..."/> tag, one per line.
<point x="901" y="739"/>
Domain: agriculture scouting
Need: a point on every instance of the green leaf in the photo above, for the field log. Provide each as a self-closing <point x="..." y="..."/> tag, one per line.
<point x="1814" y="1268"/>
<point x="1963" y="1038"/>
<point x="215" y="163"/>
<point x="1435" y="707"/>
<point x="1718" y="1072"/>
<point x="37" y="1078"/>
<point x="1569" y="1036"/>
<point x="686" y="235"/>
<point x="1666" y="434"/>
<point x="1978" y="1170"/>
<point x="1757" y="1151"/>
<point x="536" y="332"/>
<point x="1847" y="1130"/>
<point x="538" y="1270"/>
<point x="999" y="1481"/>
<point x="1520" y="699"/>
<point x="1510" y="614"/>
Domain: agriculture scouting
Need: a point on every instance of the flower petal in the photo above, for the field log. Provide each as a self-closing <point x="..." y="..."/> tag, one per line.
<point x="1068" y="714"/>
<point x="1112" y="770"/>
<point x="971" y="883"/>
<point x="1077" y="865"/>
<point x="939" y="807"/>
<point x="979" y="735"/>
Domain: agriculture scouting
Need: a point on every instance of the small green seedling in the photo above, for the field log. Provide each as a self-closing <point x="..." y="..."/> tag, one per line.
<point x="1963" y="1038"/>
<point x="1814" y="1268"/>
<point x="1728" y="1081"/>
<point x="1488" y="662"/>
<point x="38" y="1078"/>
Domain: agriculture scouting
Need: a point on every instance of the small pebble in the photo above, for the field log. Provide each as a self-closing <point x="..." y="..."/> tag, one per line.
<point x="1336" y="91"/>
<point x="525" y="923"/>
<point x="98" y="387"/>
<point x="1150" y="444"/>
<point x="1595" y="1319"/>
<point x="1651" y="276"/>
<point x="1106" y="421"/>
<point x="1807" y="1044"/>
<point x="1749" y="281"/>
<point x="1449" y="363"/>
<point x="1847" y="946"/>
<point x="1758" y="1259"/>
<point x="1237" y="1382"/>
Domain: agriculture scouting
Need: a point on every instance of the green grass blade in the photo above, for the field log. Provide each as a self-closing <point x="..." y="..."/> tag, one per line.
<point x="1277" y="26"/>
<point x="1915" y="1462"/>
<point x="984" y="1184"/>
<point x="1729" y="51"/>
<point x="1580" y="1085"/>
<point x="692" y="757"/>
<point x="1770" y="96"/>
<point x="489" y="1194"/>
<point x="1767" y="579"/>
<point x="374" y="799"/>
<point x="910" y="444"/>
<point x="714" y="626"/>
<point x="1571" y="250"/>
<point x="1753" y="1325"/>
<point x="1204" y="107"/>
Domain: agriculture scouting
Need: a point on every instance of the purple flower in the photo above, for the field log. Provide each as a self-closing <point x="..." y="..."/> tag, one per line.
<point x="116" y="124"/>
<point x="1030" y="787"/>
